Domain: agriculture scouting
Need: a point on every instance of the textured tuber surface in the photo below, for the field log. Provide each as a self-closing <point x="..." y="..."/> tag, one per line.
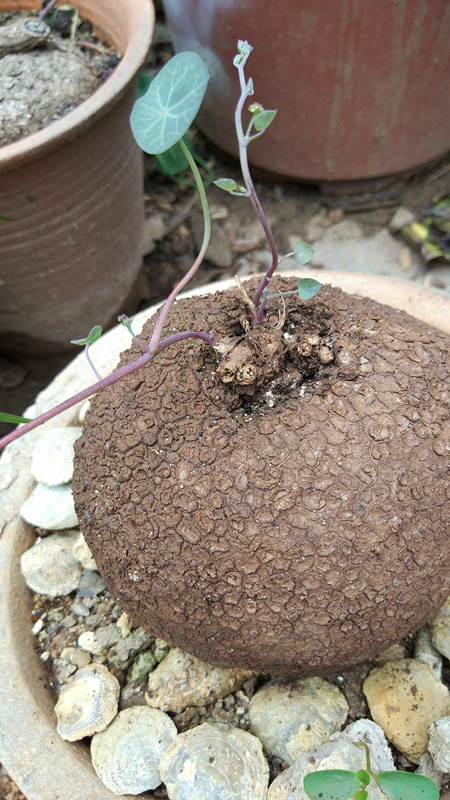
<point x="283" y="509"/>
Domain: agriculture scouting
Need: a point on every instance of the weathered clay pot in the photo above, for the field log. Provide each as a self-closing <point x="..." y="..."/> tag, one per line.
<point x="358" y="85"/>
<point x="43" y="765"/>
<point x="71" y="255"/>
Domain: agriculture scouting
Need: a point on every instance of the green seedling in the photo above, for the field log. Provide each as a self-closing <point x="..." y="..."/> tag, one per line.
<point x="342" y="784"/>
<point x="160" y="120"/>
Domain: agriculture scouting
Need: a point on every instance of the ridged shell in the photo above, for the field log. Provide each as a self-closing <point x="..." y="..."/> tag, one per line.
<point x="49" y="566"/>
<point x="215" y="762"/>
<point x="88" y="703"/>
<point x="126" y="755"/>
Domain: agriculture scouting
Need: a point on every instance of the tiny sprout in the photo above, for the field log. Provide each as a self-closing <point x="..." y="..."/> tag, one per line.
<point x="250" y="87"/>
<point x="92" y="337"/>
<point x="340" y="784"/>
<point x="230" y="186"/>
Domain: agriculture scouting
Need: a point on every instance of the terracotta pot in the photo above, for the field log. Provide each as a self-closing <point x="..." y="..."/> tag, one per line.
<point x="358" y="86"/>
<point x="71" y="255"/>
<point x="44" y="766"/>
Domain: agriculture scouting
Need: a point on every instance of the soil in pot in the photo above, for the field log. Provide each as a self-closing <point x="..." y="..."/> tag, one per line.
<point x="282" y="509"/>
<point x="47" y="68"/>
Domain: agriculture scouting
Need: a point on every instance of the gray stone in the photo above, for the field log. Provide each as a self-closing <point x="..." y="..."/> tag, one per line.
<point x="425" y="651"/>
<point x="297" y="715"/>
<point x="52" y="459"/>
<point x="439" y="743"/>
<point x="440" y="629"/>
<point x="403" y="216"/>
<point x="365" y="730"/>
<point x="182" y="680"/>
<point x="50" y="508"/>
<point x="404" y="697"/>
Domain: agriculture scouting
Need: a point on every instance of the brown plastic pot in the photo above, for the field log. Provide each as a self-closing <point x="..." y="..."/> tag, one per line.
<point x="358" y="86"/>
<point x="45" y="766"/>
<point x="71" y="255"/>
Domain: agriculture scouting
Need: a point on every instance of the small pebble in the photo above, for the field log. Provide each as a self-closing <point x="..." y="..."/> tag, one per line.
<point x="405" y="697"/>
<point x="439" y="743"/>
<point x="298" y="715"/>
<point x="83" y="554"/>
<point x="424" y="650"/>
<point x="50" y="508"/>
<point x="52" y="459"/>
<point x="440" y="629"/>
<point x="366" y="730"/>
<point x="403" y="216"/>
<point x="183" y="680"/>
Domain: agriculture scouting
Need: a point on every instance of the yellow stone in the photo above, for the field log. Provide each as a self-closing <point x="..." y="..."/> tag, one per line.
<point x="404" y="698"/>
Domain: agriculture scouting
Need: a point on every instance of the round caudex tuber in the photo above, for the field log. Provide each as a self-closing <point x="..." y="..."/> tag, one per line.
<point x="282" y="508"/>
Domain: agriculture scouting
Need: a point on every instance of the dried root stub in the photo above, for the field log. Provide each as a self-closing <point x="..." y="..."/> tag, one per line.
<point x="282" y="509"/>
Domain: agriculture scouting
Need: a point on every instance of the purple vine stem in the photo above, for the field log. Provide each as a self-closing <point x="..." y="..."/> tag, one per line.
<point x="243" y="144"/>
<point x="42" y="14"/>
<point x="114" y="377"/>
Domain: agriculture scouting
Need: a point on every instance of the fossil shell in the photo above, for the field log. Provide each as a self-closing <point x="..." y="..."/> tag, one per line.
<point x="88" y="703"/>
<point x="213" y="762"/>
<point x="49" y="566"/>
<point x="126" y="755"/>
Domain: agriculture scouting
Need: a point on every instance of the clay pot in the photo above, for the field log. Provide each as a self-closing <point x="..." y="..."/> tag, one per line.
<point x="358" y="86"/>
<point x="30" y="748"/>
<point x="71" y="255"/>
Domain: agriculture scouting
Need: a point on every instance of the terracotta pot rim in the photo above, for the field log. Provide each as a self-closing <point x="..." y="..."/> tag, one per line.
<point x="31" y="750"/>
<point x="54" y="135"/>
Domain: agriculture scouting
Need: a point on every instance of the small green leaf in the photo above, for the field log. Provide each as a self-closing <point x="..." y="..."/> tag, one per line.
<point x="250" y="87"/>
<point x="144" y="82"/>
<point x="303" y="252"/>
<point x="162" y="116"/>
<point x="92" y="337"/>
<point x="244" y="50"/>
<point x="262" y="120"/>
<point x="4" y="417"/>
<point x="5" y="219"/>
<point x="227" y="184"/>
<point x="363" y="776"/>
<point x="361" y="794"/>
<point x="307" y="288"/>
<point x="398" y="785"/>
<point x="173" y="161"/>
<point x="331" y="784"/>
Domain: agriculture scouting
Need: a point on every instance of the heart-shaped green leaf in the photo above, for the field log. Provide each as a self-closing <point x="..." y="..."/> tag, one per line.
<point x="163" y="114"/>
<point x="398" y="785"/>
<point x="303" y="252"/>
<point x="331" y="784"/>
<point x="307" y="288"/>
<point x="262" y="120"/>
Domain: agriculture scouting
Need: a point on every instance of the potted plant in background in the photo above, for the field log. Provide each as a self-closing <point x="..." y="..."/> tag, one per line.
<point x="71" y="197"/>
<point x="252" y="326"/>
<point x="361" y="84"/>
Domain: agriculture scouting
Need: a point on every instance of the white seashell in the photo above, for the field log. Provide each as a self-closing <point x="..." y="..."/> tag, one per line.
<point x="83" y="411"/>
<point x="52" y="459"/>
<point x="49" y="566"/>
<point x="83" y="554"/>
<point x="290" y="716"/>
<point x="439" y="743"/>
<point x="88" y="703"/>
<point x="50" y="507"/>
<point x="126" y="755"/>
<point x="213" y="762"/>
